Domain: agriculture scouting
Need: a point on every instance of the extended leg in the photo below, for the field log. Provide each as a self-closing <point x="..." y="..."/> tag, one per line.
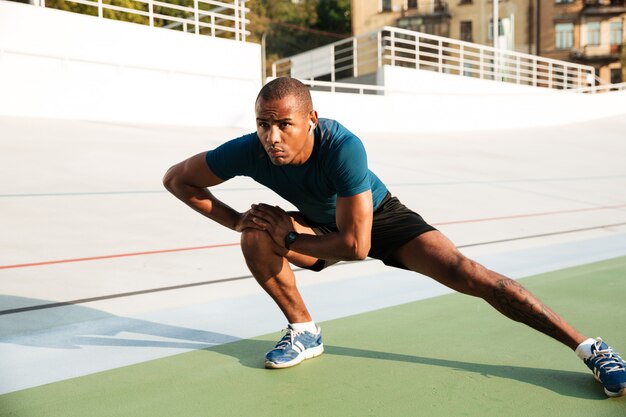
<point x="432" y="254"/>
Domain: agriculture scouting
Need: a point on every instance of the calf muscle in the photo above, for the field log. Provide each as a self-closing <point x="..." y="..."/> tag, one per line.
<point x="517" y="303"/>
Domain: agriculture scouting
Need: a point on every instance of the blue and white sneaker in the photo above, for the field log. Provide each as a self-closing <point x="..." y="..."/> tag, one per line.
<point x="608" y="368"/>
<point x="294" y="347"/>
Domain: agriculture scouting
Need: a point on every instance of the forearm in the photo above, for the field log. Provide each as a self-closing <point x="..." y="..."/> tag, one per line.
<point x="351" y="242"/>
<point x="333" y="246"/>
<point x="205" y="203"/>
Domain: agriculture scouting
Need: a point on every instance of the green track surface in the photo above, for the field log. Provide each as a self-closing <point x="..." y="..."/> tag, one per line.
<point x="446" y="356"/>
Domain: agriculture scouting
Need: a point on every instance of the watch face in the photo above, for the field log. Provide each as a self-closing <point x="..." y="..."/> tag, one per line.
<point x="290" y="238"/>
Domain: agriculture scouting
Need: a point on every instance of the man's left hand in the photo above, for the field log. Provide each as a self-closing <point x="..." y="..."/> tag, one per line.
<point x="274" y="220"/>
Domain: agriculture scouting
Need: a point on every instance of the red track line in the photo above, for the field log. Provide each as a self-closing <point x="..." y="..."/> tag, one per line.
<point x="124" y="255"/>
<point x="120" y="255"/>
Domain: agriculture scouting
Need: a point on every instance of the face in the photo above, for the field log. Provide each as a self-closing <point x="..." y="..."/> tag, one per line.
<point x="283" y="128"/>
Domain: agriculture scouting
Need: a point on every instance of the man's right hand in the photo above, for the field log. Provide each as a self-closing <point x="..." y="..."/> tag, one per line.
<point x="247" y="221"/>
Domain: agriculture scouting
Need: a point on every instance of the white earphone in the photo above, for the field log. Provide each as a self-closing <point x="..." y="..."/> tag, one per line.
<point x="312" y="127"/>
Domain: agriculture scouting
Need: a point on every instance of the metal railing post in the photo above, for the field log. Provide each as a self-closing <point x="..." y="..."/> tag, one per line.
<point x="549" y="74"/>
<point x="196" y="16"/>
<point x="481" y="58"/>
<point x="236" y="11"/>
<point x="151" y="12"/>
<point x="461" y="60"/>
<point x="100" y="11"/>
<point x="496" y="64"/>
<point x="519" y="70"/>
<point x="332" y="65"/>
<point x="379" y="48"/>
<point x="355" y="62"/>
<point x="417" y="52"/>
<point x="440" y="54"/>
<point x="243" y="20"/>
<point x="393" y="47"/>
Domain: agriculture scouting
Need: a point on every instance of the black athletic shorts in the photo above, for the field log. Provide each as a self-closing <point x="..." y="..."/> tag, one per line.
<point x="393" y="225"/>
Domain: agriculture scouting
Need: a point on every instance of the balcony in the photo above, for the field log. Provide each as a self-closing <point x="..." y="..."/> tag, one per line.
<point x="604" y="7"/>
<point x="427" y="16"/>
<point x="597" y="53"/>
<point x="426" y="8"/>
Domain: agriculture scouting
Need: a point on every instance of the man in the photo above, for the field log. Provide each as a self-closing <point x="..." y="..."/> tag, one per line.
<point x="345" y="213"/>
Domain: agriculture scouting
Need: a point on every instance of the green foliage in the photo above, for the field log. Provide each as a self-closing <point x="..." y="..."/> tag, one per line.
<point x="334" y="16"/>
<point x="293" y="27"/>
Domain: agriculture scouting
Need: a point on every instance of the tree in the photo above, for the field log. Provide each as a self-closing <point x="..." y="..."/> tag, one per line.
<point x="334" y="16"/>
<point x="293" y="27"/>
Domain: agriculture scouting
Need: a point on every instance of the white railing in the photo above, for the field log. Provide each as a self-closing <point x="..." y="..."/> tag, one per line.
<point x="363" y="55"/>
<point x="337" y="87"/>
<point x="202" y="17"/>
<point x="602" y="88"/>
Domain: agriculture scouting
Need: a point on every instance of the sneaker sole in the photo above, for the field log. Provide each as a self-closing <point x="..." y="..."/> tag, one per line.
<point x="307" y="354"/>
<point x="611" y="394"/>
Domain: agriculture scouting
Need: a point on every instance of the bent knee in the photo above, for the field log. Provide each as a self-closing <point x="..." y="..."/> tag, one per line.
<point x="254" y="239"/>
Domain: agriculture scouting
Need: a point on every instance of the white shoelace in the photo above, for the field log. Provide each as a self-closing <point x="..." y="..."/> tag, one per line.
<point x="287" y="338"/>
<point x="607" y="359"/>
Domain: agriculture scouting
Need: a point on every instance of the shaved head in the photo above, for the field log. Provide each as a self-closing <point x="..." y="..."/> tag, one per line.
<point x="283" y="87"/>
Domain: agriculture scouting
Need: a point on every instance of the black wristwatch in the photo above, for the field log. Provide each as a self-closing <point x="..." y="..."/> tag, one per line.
<point x="290" y="238"/>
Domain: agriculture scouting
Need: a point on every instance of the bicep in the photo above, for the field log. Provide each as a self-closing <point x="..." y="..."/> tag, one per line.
<point x="194" y="172"/>
<point x="354" y="214"/>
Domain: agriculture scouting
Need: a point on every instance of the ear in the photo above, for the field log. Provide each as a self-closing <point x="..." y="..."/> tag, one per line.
<point x="312" y="121"/>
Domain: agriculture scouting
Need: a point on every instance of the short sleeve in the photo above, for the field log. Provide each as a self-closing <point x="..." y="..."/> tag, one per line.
<point x="350" y="166"/>
<point x="234" y="157"/>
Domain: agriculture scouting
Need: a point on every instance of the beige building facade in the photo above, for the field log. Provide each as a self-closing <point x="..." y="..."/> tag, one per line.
<point x="468" y="20"/>
<point x="589" y="32"/>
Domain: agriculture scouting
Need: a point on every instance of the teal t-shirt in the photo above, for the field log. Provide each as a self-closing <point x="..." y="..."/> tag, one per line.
<point x="336" y="168"/>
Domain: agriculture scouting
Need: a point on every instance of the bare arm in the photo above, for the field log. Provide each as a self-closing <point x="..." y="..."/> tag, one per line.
<point x="351" y="242"/>
<point x="189" y="180"/>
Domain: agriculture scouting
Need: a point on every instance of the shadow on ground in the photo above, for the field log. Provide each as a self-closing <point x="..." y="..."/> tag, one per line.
<point x="570" y="383"/>
<point x="72" y="326"/>
<point x="82" y="326"/>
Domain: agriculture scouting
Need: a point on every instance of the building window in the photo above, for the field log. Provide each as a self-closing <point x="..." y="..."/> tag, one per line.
<point x="465" y="2"/>
<point x="564" y="1"/>
<point x="466" y="31"/>
<point x="616" y="75"/>
<point x="593" y="33"/>
<point x="500" y="29"/>
<point x="564" y="35"/>
<point x="385" y="6"/>
<point x="411" y="4"/>
<point x="615" y="29"/>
